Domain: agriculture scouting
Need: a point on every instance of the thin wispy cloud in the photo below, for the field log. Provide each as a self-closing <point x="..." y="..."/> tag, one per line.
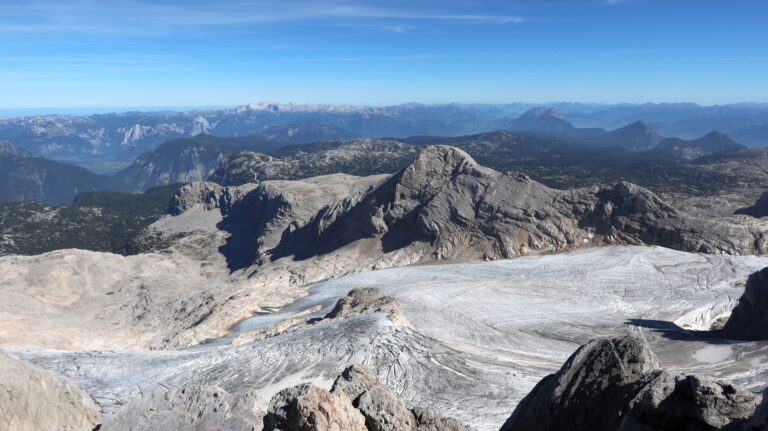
<point x="147" y="18"/>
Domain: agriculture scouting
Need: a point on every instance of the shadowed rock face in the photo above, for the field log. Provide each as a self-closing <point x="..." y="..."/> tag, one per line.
<point x="195" y="407"/>
<point x="32" y="398"/>
<point x="759" y="209"/>
<point x="612" y="384"/>
<point x="594" y="384"/>
<point x="749" y="320"/>
<point x="759" y="420"/>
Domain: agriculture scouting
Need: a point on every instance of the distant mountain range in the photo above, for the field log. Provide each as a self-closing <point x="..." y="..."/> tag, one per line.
<point x="27" y="177"/>
<point x="292" y="142"/>
<point x="105" y="141"/>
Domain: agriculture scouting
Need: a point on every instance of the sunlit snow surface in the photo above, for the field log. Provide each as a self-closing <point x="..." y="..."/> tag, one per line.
<point x="483" y="333"/>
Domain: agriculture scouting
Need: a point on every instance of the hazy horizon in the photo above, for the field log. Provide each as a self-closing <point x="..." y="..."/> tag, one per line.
<point x="94" y="110"/>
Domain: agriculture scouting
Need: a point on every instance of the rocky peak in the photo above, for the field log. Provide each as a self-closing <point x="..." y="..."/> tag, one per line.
<point x="432" y="169"/>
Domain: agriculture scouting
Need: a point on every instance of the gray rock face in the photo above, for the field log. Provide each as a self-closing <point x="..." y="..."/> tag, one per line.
<point x="382" y="408"/>
<point x="194" y="407"/>
<point x="690" y="403"/>
<point x="749" y="319"/>
<point x="32" y="398"/>
<point x="630" y="214"/>
<point x="613" y="384"/>
<point x="759" y="209"/>
<point x="366" y="300"/>
<point x="209" y="195"/>
<point x="357" y="401"/>
<point x="309" y="408"/>
<point x="591" y="389"/>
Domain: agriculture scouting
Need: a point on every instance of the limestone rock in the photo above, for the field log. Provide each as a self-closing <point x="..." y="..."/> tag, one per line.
<point x="193" y="407"/>
<point x="367" y="300"/>
<point x="590" y="392"/>
<point x="309" y="408"/>
<point x="689" y="403"/>
<point x="749" y="320"/>
<point x="611" y="384"/>
<point x="32" y="398"/>
<point x="382" y="408"/>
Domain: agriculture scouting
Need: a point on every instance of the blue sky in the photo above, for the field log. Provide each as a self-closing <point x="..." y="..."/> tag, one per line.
<point x="160" y="53"/>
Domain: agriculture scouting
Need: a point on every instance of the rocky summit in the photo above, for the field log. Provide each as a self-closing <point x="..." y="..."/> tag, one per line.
<point x="446" y="206"/>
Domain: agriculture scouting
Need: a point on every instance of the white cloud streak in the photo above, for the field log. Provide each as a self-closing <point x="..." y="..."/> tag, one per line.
<point x="143" y="17"/>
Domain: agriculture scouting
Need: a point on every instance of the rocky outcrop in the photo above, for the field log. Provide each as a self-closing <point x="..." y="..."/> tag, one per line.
<point x="689" y="403"/>
<point x="382" y="408"/>
<point x="614" y="384"/>
<point x="629" y="214"/>
<point x="367" y="300"/>
<point x="191" y="407"/>
<point x="209" y="195"/>
<point x="32" y="399"/>
<point x="759" y="209"/>
<point x="357" y="302"/>
<point x="749" y="319"/>
<point x="357" y="401"/>
<point x="309" y="408"/>
<point x="593" y="385"/>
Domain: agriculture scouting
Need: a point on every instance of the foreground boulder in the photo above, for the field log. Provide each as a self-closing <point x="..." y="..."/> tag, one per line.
<point x="589" y="391"/>
<point x="612" y="384"/>
<point x="382" y="408"/>
<point x="357" y="401"/>
<point x="309" y="408"/>
<point x="689" y="403"/>
<point x="749" y="319"/>
<point x="194" y="407"/>
<point x="32" y="398"/>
